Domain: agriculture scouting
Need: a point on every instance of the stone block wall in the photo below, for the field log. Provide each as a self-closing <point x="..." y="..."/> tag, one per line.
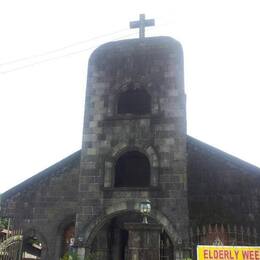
<point x="155" y="64"/>
<point x="221" y="188"/>
<point x="45" y="204"/>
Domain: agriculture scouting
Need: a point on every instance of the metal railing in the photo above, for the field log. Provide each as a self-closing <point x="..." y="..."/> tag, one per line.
<point x="11" y="245"/>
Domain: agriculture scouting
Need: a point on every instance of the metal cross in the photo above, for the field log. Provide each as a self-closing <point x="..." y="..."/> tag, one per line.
<point x="141" y="24"/>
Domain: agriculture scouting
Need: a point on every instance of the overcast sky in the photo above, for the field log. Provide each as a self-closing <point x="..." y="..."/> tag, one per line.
<point x="44" y="50"/>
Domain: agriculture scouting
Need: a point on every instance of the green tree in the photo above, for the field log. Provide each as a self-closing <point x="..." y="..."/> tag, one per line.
<point x="3" y="223"/>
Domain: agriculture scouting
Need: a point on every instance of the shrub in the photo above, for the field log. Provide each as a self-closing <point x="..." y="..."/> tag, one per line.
<point x="74" y="256"/>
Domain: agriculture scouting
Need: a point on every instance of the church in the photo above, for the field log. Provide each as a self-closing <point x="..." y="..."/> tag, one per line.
<point x="140" y="187"/>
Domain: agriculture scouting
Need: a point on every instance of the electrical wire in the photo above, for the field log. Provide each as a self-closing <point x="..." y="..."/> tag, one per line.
<point x="63" y="48"/>
<point x="58" y="57"/>
<point x="60" y="49"/>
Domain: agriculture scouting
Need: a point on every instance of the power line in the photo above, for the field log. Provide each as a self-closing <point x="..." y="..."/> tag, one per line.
<point x="60" y="49"/>
<point x="46" y="60"/>
<point x="67" y="47"/>
<point x="58" y="57"/>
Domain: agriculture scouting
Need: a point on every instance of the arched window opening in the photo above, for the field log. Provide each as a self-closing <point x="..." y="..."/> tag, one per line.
<point x="68" y="239"/>
<point x="132" y="170"/>
<point x="134" y="101"/>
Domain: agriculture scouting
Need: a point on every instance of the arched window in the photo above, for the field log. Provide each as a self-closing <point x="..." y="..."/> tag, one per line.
<point x="134" y="101"/>
<point x="68" y="238"/>
<point x="132" y="169"/>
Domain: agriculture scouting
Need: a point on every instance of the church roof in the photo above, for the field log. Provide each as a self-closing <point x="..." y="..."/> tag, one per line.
<point x="57" y="168"/>
<point x="221" y="188"/>
<point x="193" y="146"/>
<point x="206" y="150"/>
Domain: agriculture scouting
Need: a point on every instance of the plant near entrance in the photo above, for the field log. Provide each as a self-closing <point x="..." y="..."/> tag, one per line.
<point x="74" y="256"/>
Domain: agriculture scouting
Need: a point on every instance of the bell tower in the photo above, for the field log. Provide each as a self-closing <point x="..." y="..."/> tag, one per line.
<point x="134" y="141"/>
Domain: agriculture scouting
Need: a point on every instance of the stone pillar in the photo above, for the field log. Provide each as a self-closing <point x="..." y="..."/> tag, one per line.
<point x="143" y="241"/>
<point x="102" y="251"/>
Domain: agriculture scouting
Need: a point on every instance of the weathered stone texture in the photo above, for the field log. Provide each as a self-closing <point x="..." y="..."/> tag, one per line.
<point x="190" y="182"/>
<point x="155" y="64"/>
<point x="45" y="202"/>
<point x="221" y="188"/>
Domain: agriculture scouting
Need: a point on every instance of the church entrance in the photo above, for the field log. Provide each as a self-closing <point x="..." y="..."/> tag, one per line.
<point x="126" y="237"/>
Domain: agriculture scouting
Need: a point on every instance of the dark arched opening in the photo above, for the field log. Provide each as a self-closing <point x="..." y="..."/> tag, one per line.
<point x="68" y="239"/>
<point x="134" y="101"/>
<point x="112" y="239"/>
<point x="32" y="248"/>
<point x="132" y="169"/>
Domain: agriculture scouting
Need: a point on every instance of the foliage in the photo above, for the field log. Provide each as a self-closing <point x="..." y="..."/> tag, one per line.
<point x="3" y="223"/>
<point x="74" y="256"/>
<point x="92" y="256"/>
<point x="70" y="256"/>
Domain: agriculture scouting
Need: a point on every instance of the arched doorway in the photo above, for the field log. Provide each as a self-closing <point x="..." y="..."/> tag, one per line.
<point x="68" y="238"/>
<point x="112" y="241"/>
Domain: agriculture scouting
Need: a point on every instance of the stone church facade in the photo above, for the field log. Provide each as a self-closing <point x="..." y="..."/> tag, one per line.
<point x="134" y="148"/>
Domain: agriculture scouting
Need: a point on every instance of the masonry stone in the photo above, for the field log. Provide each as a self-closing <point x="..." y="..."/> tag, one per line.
<point x="190" y="184"/>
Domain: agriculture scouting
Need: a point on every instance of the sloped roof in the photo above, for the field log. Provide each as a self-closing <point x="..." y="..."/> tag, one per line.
<point x="192" y="143"/>
<point x="195" y="144"/>
<point x="221" y="188"/>
<point x="57" y="168"/>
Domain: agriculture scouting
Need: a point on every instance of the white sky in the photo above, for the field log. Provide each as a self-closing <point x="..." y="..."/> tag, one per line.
<point x="41" y="106"/>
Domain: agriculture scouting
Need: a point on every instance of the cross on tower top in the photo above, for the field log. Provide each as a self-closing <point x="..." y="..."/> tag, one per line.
<point x="141" y="24"/>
